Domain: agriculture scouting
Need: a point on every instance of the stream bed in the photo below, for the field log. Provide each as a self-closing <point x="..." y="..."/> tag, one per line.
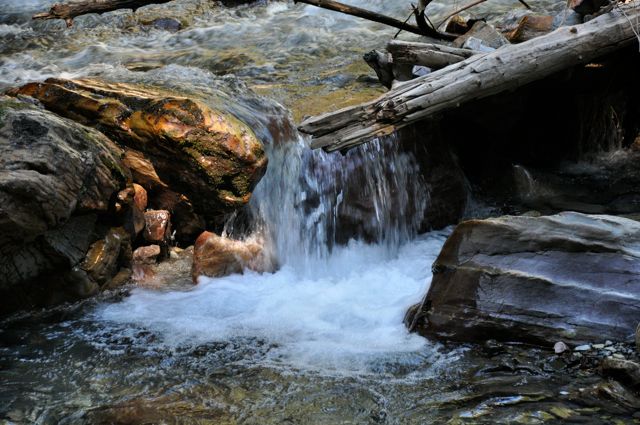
<point x="322" y="340"/>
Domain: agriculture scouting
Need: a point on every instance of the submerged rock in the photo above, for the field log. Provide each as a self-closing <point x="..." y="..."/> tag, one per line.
<point x="570" y="277"/>
<point x="216" y="256"/>
<point x="209" y="156"/>
<point x="56" y="177"/>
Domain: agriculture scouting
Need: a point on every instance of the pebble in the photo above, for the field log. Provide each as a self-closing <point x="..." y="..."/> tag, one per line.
<point x="618" y="356"/>
<point x="598" y="346"/>
<point x="560" y="347"/>
<point x="608" y="343"/>
<point x="585" y="347"/>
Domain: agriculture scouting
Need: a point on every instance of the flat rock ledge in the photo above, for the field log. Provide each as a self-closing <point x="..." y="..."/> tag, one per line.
<point x="567" y="277"/>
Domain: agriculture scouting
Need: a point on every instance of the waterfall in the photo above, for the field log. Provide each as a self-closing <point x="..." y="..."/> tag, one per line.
<point x="311" y="201"/>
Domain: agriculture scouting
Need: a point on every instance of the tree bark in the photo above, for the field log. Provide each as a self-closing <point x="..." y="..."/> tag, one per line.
<point x="434" y="56"/>
<point x="70" y="10"/>
<point x="480" y="76"/>
<point x="376" y="17"/>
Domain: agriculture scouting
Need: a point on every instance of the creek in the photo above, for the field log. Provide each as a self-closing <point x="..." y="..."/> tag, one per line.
<point x="322" y="340"/>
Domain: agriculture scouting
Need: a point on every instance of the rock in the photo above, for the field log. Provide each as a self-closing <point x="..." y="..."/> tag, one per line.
<point x="107" y="255"/>
<point x="610" y="396"/>
<point x="608" y="183"/>
<point x="598" y="346"/>
<point x="140" y="198"/>
<point x="146" y="254"/>
<point x="209" y="156"/>
<point x="56" y="176"/>
<point x="187" y="224"/>
<point x="129" y="209"/>
<point x="569" y="276"/>
<point x="167" y="24"/>
<point x="488" y="37"/>
<point x="216" y="256"/>
<point x="175" y="271"/>
<point x="157" y="226"/>
<point x="585" y="347"/>
<point x="625" y="371"/>
<point x="531" y="26"/>
<point x="457" y="25"/>
<point x="587" y="7"/>
<point x="121" y="278"/>
<point x="560" y="347"/>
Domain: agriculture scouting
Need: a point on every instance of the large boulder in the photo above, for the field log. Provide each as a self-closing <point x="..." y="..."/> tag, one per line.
<point x="569" y="276"/>
<point x="178" y="144"/>
<point x="56" y="178"/>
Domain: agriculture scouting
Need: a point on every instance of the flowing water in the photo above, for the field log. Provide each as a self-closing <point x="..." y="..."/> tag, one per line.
<point x="319" y="341"/>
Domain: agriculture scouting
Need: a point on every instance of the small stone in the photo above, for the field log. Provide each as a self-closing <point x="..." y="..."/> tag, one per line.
<point x="157" y="226"/>
<point x="146" y="254"/>
<point x="618" y="356"/>
<point x="577" y="356"/>
<point x="167" y="24"/>
<point x="560" y="347"/>
<point x="607" y="343"/>
<point x="585" y="347"/>
<point x="598" y="346"/>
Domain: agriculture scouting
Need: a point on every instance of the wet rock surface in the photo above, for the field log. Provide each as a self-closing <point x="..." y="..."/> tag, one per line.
<point x="210" y="156"/>
<point x="568" y="277"/>
<point x="56" y="177"/>
<point x="216" y="256"/>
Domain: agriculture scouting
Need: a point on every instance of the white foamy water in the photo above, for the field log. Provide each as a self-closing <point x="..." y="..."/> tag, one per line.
<point x="347" y="316"/>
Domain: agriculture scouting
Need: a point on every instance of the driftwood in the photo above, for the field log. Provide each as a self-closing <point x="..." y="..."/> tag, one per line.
<point x="68" y="11"/>
<point x="376" y="17"/>
<point x="480" y="76"/>
<point x="434" y="56"/>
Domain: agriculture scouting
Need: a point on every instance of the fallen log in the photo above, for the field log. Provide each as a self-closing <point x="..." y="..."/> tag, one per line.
<point x="434" y="56"/>
<point x="376" y="17"/>
<point x="506" y="68"/>
<point x="70" y="10"/>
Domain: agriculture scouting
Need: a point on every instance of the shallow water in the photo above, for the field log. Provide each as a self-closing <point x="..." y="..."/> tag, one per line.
<point x="322" y="339"/>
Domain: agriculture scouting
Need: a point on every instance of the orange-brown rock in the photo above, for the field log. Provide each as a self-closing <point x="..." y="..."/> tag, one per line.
<point x="208" y="155"/>
<point x="216" y="256"/>
<point x="146" y="254"/>
<point x="128" y="208"/>
<point x="186" y="223"/>
<point x="531" y="26"/>
<point x="157" y="227"/>
<point x="140" y="198"/>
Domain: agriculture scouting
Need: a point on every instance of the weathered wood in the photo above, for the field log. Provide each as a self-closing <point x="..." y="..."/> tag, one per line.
<point x="376" y="17"/>
<point x="68" y="11"/>
<point x="480" y="76"/>
<point x="388" y="73"/>
<point x="434" y="56"/>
